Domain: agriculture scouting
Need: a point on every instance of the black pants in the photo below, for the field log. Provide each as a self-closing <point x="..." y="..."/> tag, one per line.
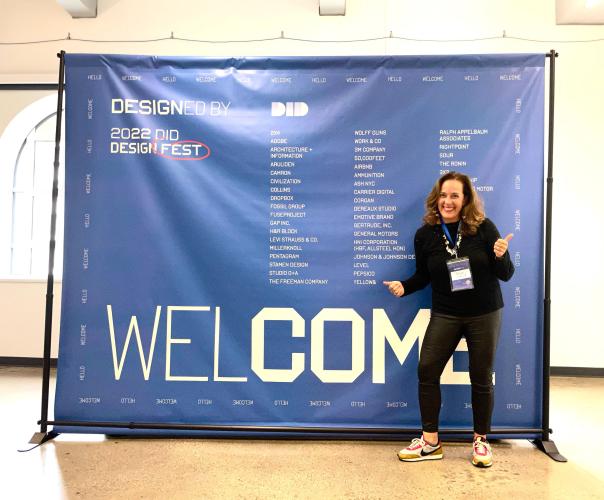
<point x="442" y="336"/>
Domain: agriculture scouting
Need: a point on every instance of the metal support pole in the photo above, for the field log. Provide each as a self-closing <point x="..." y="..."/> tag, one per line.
<point x="43" y="435"/>
<point x="545" y="444"/>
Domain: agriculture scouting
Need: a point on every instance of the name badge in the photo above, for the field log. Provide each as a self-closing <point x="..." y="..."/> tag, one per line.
<point x="460" y="274"/>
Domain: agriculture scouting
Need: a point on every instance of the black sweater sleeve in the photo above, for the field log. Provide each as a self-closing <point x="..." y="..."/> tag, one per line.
<point x="421" y="278"/>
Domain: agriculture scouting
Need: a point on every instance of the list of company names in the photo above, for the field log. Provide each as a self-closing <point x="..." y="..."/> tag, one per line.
<point x="375" y="234"/>
<point x="454" y="147"/>
<point x="288" y="262"/>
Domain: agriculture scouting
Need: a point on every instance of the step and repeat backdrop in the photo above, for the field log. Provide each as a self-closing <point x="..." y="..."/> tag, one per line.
<point x="229" y="223"/>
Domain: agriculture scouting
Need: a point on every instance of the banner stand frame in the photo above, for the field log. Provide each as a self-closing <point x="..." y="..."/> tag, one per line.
<point x="42" y="436"/>
<point x="545" y="444"/>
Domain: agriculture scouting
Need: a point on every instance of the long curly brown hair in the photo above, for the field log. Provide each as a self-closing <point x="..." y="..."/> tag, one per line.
<point x="472" y="212"/>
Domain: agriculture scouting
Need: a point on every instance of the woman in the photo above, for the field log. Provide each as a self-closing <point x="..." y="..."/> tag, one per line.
<point x="460" y="253"/>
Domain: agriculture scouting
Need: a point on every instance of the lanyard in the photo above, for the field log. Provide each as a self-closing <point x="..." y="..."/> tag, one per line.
<point x="448" y="239"/>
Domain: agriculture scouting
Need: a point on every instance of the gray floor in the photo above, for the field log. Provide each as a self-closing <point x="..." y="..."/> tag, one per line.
<point x="91" y="466"/>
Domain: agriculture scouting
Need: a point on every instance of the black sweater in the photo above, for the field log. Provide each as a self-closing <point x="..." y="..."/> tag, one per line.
<point x="487" y="270"/>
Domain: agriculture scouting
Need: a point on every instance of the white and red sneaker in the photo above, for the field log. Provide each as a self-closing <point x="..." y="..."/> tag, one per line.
<point x="482" y="456"/>
<point x="419" y="450"/>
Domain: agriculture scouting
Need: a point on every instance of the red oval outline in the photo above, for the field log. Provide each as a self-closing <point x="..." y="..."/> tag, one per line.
<point x="155" y="141"/>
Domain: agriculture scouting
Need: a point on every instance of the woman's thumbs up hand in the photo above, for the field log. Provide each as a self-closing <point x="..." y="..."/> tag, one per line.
<point x="501" y="245"/>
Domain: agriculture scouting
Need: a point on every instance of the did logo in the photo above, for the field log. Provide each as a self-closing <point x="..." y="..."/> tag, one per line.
<point x="289" y="109"/>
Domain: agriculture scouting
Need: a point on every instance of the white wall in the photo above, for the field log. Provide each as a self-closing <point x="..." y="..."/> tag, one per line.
<point x="22" y="314"/>
<point x="577" y="269"/>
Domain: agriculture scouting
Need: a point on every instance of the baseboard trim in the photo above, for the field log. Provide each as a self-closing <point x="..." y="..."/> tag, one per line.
<point x="21" y="361"/>
<point x="576" y="371"/>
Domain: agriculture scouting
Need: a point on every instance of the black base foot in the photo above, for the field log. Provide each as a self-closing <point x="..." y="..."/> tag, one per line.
<point x="42" y="437"/>
<point x="550" y="449"/>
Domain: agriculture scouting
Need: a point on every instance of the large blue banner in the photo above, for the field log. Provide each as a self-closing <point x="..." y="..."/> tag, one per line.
<point x="229" y="223"/>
